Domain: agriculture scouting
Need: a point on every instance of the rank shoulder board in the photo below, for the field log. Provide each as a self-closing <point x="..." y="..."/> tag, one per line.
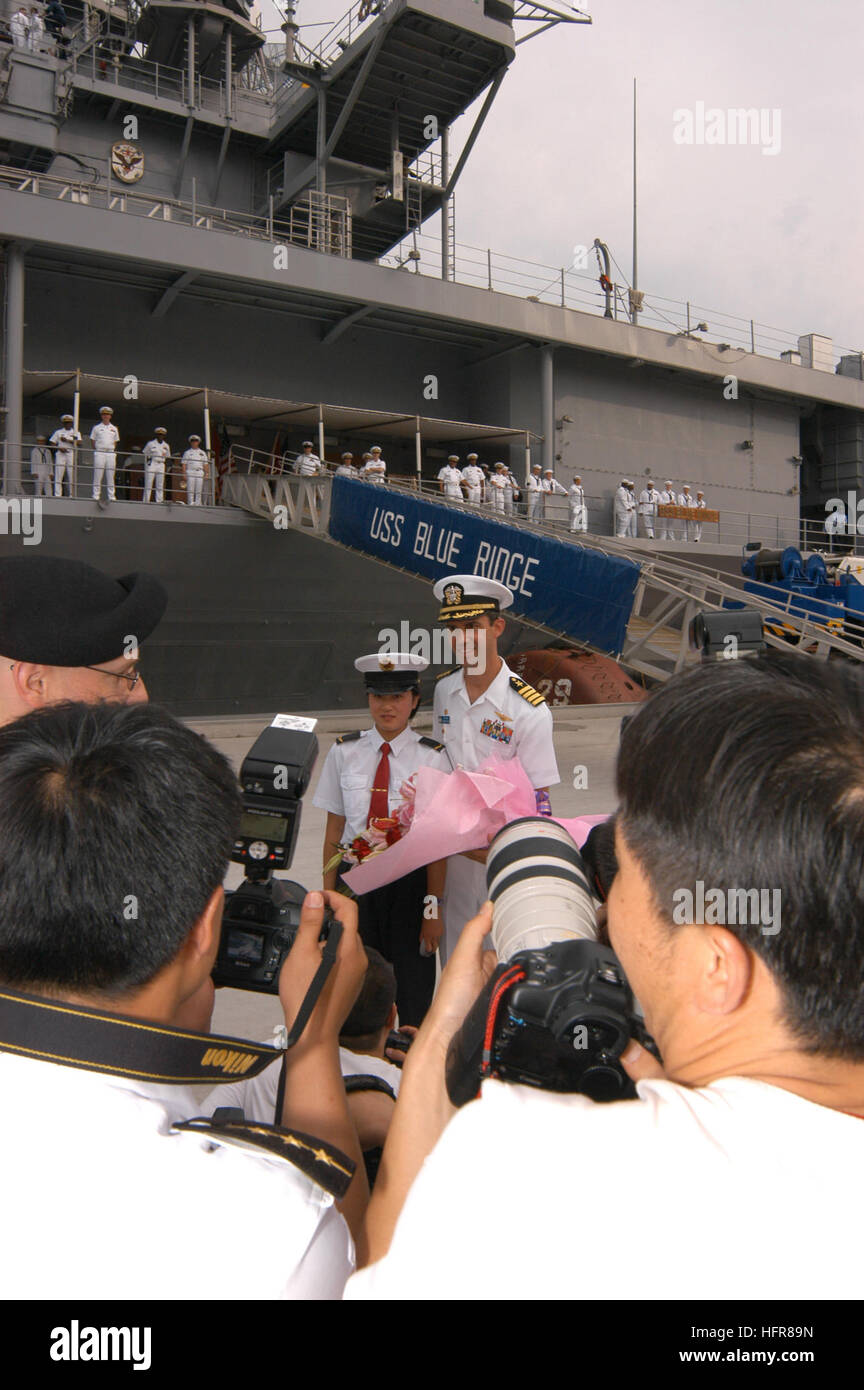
<point x="527" y="691"/>
<point x="431" y="743"/>
<point x="452" y="671"/>
<point x="349" y="738"/>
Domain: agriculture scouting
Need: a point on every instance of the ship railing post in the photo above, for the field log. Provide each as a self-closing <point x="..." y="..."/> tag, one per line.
<point x="563" y="295"/>
<point x="76" y="414"/>
<point x="270" y="219"/>
<point x="418" y="453"/>
<point x="488" y="268"/>
<point x="752" y="336"/>
<point x="688" y="316"/>
<point x="527" y="457"/>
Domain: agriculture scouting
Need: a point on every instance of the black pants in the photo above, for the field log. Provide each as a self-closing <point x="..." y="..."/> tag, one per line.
<point x="390" y="921"/>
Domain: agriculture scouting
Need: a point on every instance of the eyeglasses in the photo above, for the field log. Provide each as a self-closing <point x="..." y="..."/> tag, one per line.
<point x="133" y="679"/>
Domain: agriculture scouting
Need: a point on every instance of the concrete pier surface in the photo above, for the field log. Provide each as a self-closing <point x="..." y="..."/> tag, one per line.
<point x="586" y="744"/>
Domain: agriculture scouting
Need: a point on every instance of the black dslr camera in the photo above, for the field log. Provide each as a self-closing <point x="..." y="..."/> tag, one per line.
<point x="261" y="917"/>
<point x="558" y="1012"/>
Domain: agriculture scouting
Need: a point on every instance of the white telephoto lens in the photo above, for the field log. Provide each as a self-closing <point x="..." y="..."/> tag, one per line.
<point x="538" y="886"/>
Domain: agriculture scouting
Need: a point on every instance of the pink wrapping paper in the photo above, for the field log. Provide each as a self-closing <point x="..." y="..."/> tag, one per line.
<point x="458" y="811"/>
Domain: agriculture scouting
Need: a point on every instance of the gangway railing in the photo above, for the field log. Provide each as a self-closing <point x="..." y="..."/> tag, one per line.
<point x="668" y="595"/>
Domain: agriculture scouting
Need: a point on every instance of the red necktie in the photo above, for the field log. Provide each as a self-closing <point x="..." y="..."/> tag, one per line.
<point x="379" y="804"/>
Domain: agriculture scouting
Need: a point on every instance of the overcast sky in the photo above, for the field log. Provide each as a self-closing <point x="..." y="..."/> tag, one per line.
<point x="775" y="237"/>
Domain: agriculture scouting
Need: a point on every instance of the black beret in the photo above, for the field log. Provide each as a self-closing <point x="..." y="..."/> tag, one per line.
<point x="66" y="613"/>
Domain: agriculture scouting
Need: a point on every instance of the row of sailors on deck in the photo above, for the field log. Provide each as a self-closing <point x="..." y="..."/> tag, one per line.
<point x="625" y="508"/>
<point x="50" y="470"/>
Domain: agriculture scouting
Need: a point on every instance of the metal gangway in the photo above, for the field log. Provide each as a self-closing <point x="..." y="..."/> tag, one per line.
<point x="669" y="592"/>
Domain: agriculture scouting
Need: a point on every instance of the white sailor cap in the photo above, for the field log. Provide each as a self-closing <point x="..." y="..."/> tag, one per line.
<point x="376" y="449"/>
<point x="469" y="596"/>
<point x="686" y="487"/>
<point x="64" y="418"/>
<point x="106" y="410"/>
<point x="452" y="458"/>
<point x="499" y="465"/>
<point x="535" y="468"/>
<point x="668" y="483"/>
<point x="390" y="673"/>
<point x="699" y="492"/>
<point x="194" y="436"/>
<point x="548" y="470"/>
<point x="307" y="444"/>
<point x="577" y="477"/>
<point x="160" y="429"/>
<point x="471" y="456"/>
<point x="347" y="454"/>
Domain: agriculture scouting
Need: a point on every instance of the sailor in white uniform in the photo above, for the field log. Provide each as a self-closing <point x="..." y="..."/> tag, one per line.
<point x="472" y="477"/>
<point x="19" y="26"/>
<point x="450" y="478"/>
<point x="40" y="467"/>
<point x="551" y="489"/>
<point x="697" y="525"/>
<point x="578" y="509"/>
<point x="307" y="464"/>
<point x="481" y="711"/>
<point x="195" y="465"/>
<point x="156" y="454"/>
<point x="535" y="494"/>
<point x="346" y="468"/>
<point x="105" y="437"/>
<point x="361" y="782"/>
<point x="625" y="505"/>
<point x="375" y="470"/>
<point x="686" y="500"/>
<point x="649" y="497"/>
<point x="668" y="498"/>
<point x="496" y="487"/>
<point x="64" y="441"/>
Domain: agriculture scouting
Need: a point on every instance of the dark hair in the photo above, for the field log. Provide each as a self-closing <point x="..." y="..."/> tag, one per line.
<point x="374" y="1002"/>
<point x="116" y="825"/>
<point x="750" y="774"/>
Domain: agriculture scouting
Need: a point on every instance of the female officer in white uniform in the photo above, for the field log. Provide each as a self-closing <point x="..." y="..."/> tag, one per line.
<point x="361" y="779"/>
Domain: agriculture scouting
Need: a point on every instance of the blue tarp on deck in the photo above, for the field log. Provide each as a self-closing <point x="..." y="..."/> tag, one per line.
<point x="562" y="585"/>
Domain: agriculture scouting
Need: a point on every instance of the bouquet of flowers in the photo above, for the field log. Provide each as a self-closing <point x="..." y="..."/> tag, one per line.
<point x="380" y="833"/>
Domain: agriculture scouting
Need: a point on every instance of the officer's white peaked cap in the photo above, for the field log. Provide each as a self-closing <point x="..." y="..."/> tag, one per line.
<point x="106" y="410"/>
<point x="469" y="596"/>
<point x="391" y="673"/>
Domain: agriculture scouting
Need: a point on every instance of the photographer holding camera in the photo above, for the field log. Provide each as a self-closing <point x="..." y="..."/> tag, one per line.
<point x="725" y="1176"/>
<point x="116" y="826"/>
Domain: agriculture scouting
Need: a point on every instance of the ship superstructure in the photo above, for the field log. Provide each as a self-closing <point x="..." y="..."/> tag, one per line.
<point x="225" y="235"/>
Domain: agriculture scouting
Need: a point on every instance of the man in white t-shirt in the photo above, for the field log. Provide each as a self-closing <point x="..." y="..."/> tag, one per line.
<point x="736" y="1173"/>
<point x="118" y="999"/>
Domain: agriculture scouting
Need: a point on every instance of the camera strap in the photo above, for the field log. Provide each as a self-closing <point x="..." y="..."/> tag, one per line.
<point x="328" y="960"/>
<point x="71" y="1035"/>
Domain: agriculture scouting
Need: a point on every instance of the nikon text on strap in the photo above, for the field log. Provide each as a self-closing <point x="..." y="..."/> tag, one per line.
<point x="75" y="1036"/>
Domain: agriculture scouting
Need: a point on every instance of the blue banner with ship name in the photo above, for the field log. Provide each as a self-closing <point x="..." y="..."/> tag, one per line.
<point x="561" y="584"/>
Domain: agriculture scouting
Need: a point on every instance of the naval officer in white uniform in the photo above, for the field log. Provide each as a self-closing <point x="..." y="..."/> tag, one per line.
<point x="156" y="454"/>
<point x="361" y="782"/>
<point x="307" y="464"/>
<point x="578" y="509"/>
<point x="64" y="441"/>
<point x="472" y="477"/>
<point x="195" y="465"/>
<point x="105" y="437"/>
<point x="450" y="478"/>
<point x="375" y="469"/>
<point x="483" y="710"/>
<point x="535" y="494"/>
